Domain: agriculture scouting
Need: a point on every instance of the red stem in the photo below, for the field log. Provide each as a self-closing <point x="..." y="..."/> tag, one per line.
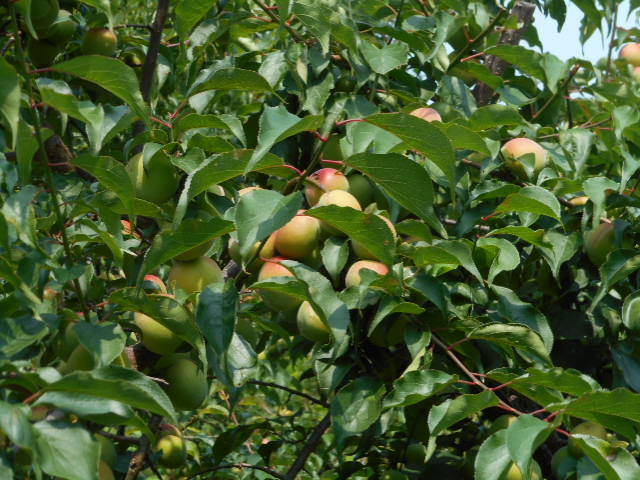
<point x="351" y="120"/>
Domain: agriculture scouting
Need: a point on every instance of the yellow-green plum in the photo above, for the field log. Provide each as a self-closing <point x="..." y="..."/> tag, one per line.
<point x="133" y="58"/>
<point x="361" y="251"/>
<point x="104" y="471"/>
<point x="277" y="301"/>
<point x="80" y="359"/>
<point x="100" y="41"/>
<point x="514" y="473"/>
<point x="156" y="337"/>
<point x="267" y="251"/>
<point x="585" y="428"/>
<point x="173" y="452"/>
<point x="340" y="198"/>
<point x="108" y="453"/>
<point x="324" y="180"/>
<point x="42" y="53"/>
<point x="361" y="188"/>
<point x="43" y="13"/>
<point x="195" y="252"/>
<point x="155" y="180"/>
<point x="353" y="274"/>
<point x="298" y="238"/>
<point x="188" y="386"/>
<point x="61" y="30"/>
<point x="516" y="148"/>
<point x="194" y="276"/>
<point x="631" y="53"/>
<point x="599" y="242"/>
<point x="311" y="325"/>
<point x="427" y="114"/>
<point x="416" y="454"/>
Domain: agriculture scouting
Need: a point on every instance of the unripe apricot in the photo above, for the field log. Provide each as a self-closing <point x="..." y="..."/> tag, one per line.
<point x="194" y="276"/>
<point x="311" y="325"/>
<point x="353" y="274"/>
<point x="173" y="452"/>
<point x="277" y="301"/>
<point x="599" y="242"/>
<point x="153" y="284"/>
<point x="61" y="30"/>
<point x="299" y="237"/>
<point x="585" y="428"/>
<point x="427" y="114"/>
<point x="324" y="180"/>
<point x="514" y="473"/>
<point x="631" y="53"/>
<point x="339" y="198"/>
<point x="516" y="148"/>
<point x="156" y="337"/>
<point x="188" y="386"/>
<point x="80" y="359"/>
<point x="267" y="251"/>
<point x="579" y="201"/>
<point x="362" y="252"/>
<point x="361" y="188"/>
<point x="43" y="13"/>
<point x="100" y="41"/>
<point x="155" y="182"/>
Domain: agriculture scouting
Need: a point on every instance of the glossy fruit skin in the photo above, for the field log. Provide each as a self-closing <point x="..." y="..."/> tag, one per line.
<point x="427" y="114"/>
<point x="194" y="276"/>
<point x="195" y="252"/>
<point x="585" y="428"/>
<point x="43" y="13"/>
<point x="298" y="238"/>
<point x="42" y="53"/>
<point x="188" y="386"/>
<point x="327" y="179"/>
<point x="362" y="252"/>
<point x="340" y="198"/>
<point x="153" y="284"/>
<point x="631" y="53"/>
<point x="599" y="242"/>
<point x="100" y="41"/>
<point x="80" y="359"/>
<point x="353" y="274"/>
<point x="61" y="30"/>
<point x="156" y="337"/>
<point x="173" y="452"/>
<point x="279" y="302"/>
<point x="514" y="473"/>
<point x="156" y="181"/>
<point x="361" y="188"/>
<point x="311" y="325"/>
<point x="517" y="148"/>
<point x="268" y="251"/>
<point x="390" y="332"/>
<point x="108" y="452"/>
<point x="105" y="472"/>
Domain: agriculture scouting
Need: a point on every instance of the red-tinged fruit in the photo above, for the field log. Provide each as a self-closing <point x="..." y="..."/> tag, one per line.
<point x="153" y="284"/>
<point x="353" y="274"/>
<point x="516" y="148"/>
<point x="277" y="301"/>
<point x="427" y="114"/>
<point x="324" y="180"/>
<point x="298" y="238"/>
<point x="631" y="53"/>
<point x="311" y="325"/>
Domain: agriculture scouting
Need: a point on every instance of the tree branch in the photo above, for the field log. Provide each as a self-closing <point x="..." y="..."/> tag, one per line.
<point x="270" y="471"/>
<point x="312" y="443"/>
<point x="290" y="390"/>
<point x="139" y="459"/>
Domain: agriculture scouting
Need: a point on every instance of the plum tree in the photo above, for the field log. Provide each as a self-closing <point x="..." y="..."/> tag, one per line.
<point x="361" y="251"/>
<point x="322" y="181"/>
<point x="42" y="52"/>
<point x="188" y="386"/>
<point x="585" y="428"/>
<point x="311" y="325"/>
<point x="427" y="114"/>
<point x="631" y="53"/>
<point x="515" y="149"/>
<point x="340" y="198"/>
<point x="298" y="238"/>
<point x="277" y="301"/>
<point x="599" y="242"/>
<point x="195" y="275"/>
<point x="154" y="179"/>
<point x="360" y="187"/>
<point x="100" y="41"/>
<point x="172" y="450"/>
<point x="353" y="274"/>
<point x="195" y="252"/>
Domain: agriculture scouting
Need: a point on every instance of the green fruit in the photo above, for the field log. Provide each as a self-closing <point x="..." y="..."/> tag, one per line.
<point x="105" y="472"/>
<point x="514" y="473"/>
<point x="361" y="188"/>
<point x="42" y="53"/>
<point x="298" y="238"/>
<point x="268" y="251"/>
<point x="311" y="325"/>
<point x="502" y="422"/>
<point x="390" y="332"/>
<point x="155" y="179"/>
<point x="279" y="302"/>
<point x="361" y="251"/>
<point x="69" y="340"/>
<point x="100" y="41"/>
<point x="133" y="58"/>
<point x="195" y="252"/>
<point x="427" y="114"/>
<point x="416" y="454"/>
<point x="80" y="359"/>
<point x="43" y="13"/>
<point x="562" y="463"/>
<point x="631" y="53"/>
<point x="60" y="31"/>
<point x="194" y="276"/>
<point x="188" y="386"/>
<point x="156" y="337"/>
<point x="324" y="180"/>
<point x="599" y="242"/>
<point x="173" y="452"/>
<point x="340" y="198"/>
<point x="516" y="148"/>
<point x="585" y="428"/>
<point x="353" y="274"/>
<point x="153" y="284"/>
<point x="108" y="453"/>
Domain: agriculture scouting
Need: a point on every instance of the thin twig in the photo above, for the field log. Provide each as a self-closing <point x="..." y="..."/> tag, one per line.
<point x="290" y="390"/>
<point x="559" y="90"/>
<point x="296" y="36"/>
<point x="268" y="470"/>
<point x="312" y="443"/>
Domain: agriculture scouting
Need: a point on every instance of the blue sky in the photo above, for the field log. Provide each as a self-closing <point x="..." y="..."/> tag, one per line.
<point x="566" y="44"/>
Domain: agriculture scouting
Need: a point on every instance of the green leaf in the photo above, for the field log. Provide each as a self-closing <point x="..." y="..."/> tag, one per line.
<point x="233" y="79"/>
<point x="16" y="334"/>
<point x="595" y="188"/>
<point x="568" y="381"/>
<point x="367" y="229"/>
<point x="444" y="415"/>
<point x="10" y="98"/>
<point x="534" y="237"/>
<point x="421" y="136"/>
<point x="493" y="458"/>
<point x="14" y="422"/>
<point x="505" y="256"/>
<point x="105" y="341"/>
<point x="534" y="200"/>
<point x="529" y="61"/>
<point x="121" y="384"/>
<point x="415" y="386"/>
<point x="188" y="13"/>
<point x="402" y="179"/>
<point x="524" y="436"/>
<point x="335" y="254"/>
<point x="216" y="314"/>
<point x="26" y="148"/>
<point x="383" y="60"/>
<point x="448" y="252"/>
<point x="514" y="335"/>
<point x="464" y="138"/>
<point x="631" y="311"/>
<point x="112" y="75"/>
<point x="492" y="116"/>
<point x="94" y="409"/>
<point x="357" y="406"/>
<point x="618" y="266"/>
<point x="614" y="463"/>
<point x="389" y="306"/>
<point x="561" y="249"/>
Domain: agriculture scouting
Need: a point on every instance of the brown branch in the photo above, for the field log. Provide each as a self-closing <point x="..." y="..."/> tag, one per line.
<point x="139" y="459"/>
<point x="312" y="443"/>
<point x="296" y="36"/>
<point x="270" y="471"/>
<point x="290" y="390"/>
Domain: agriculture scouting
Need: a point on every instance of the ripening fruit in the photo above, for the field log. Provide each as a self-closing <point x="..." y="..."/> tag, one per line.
<point x="43" y="13"/>
<point x="339" y="198"/>
<point x="416" y="454"/>
<point x="155" y="181"/>
<point x="100" y="41"/>
<point x="562" y="462"/>
<point x="61" y="30"/>
<point x="133" y="58"/>
<point x="361" y="188"/>
<point x="636" y="74"/>
<point x="268" y="251"/>
<point x="277" y="301"/>
<point x="517" y="148"/>
<point x="353" y="274"/>
<point x="195" y="252"/>
<point x="156" y="337"/>
<point x="80" y="359"/>
<point x="324" y="180"/>
<point x="631" y="53"/>
<point x="299" y="237"/>
<point x="105" y="472"/>
<point x="427" y="114"/>
<point x="585" y="428"/>
<point x="108" y="452"/>
<point x="173" y="452"/>
<point x="244" y="190"/>
<point x="194" y="276"/>
<point x="311" y="325"/>
<point x="153" y="284"/>
<point x="502" y="422"/>
<point x="42" y="53"/>
<point x="599" y="242"/>
<point x="362" y="252"/>
<point x="188" y="386"/>
<point x="579" y="201"/>
<point x="390" y="332"/>
<point x="514" y="473"/>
